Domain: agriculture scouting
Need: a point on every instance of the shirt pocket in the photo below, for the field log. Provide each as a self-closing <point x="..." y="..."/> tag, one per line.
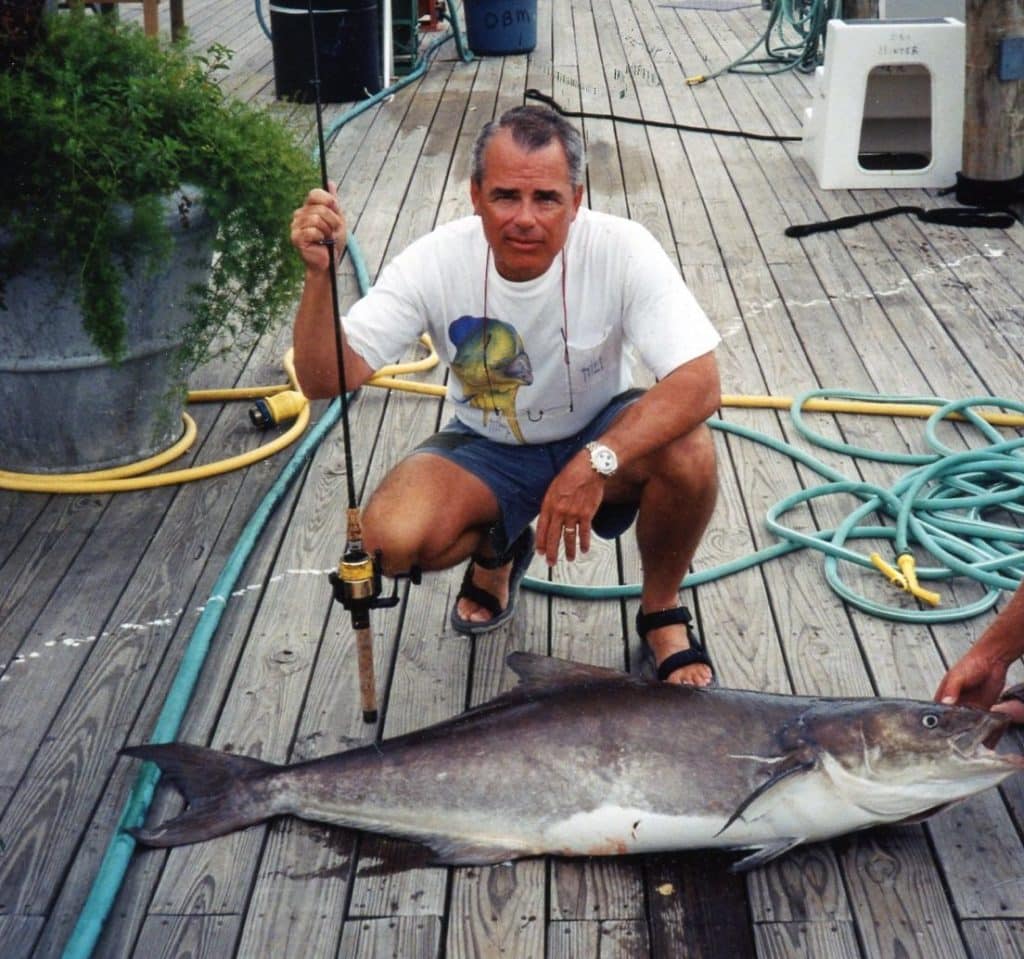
<point x="595" y="360"/>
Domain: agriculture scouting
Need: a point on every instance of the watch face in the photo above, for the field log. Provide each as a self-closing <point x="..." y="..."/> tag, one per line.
<point x="603" y="460"/>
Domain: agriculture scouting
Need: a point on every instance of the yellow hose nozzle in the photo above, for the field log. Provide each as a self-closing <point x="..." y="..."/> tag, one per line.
<point x="905" y="577"/>
<point x="271" y="410"/>
<point x="890" y="572"/>
<point x="909" y="568"/>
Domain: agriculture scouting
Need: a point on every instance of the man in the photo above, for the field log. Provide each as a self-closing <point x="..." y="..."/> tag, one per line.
<point x="532" y="302"/>
<point x="977" y="679"/>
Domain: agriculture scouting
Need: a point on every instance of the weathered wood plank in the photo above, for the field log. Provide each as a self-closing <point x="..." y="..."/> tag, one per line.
<point x="496" y="910"/>
<point x="405" y="936"/>
<point x="219" y="667"/>
<point x="19" y="934"/>
<point x="41" y="552"/>
<point x="298" y="901"/>
<point x="697" y="907"/>
<point x="806" y="940"/>
<point x="995" y="940"/>
<point x="187" y="935"/>
<point x="614" y="939"/>
<point x="891" y="878"/>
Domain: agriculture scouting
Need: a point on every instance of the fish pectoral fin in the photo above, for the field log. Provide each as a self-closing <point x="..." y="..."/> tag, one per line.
<point x="764" y="854"/>
<point x="453" y="852"/>
<point x="793" y="764"/>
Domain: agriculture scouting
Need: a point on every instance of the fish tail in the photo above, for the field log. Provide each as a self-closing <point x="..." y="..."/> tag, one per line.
<point x="221" y="790"/>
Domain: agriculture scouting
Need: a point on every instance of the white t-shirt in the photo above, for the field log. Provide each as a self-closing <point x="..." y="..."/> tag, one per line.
<point x="545" y="355"/>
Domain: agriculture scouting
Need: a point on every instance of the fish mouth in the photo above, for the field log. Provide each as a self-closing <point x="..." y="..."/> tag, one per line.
<point x="980" y="742"/>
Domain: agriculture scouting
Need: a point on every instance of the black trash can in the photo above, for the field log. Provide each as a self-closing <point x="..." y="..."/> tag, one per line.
<point x="348" y="44"/>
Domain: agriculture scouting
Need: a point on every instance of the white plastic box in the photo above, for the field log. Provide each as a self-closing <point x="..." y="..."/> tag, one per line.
<point x="888" y="106"/>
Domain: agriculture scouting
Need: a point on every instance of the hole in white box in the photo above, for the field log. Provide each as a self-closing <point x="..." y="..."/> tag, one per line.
<point x="896" y="125"/>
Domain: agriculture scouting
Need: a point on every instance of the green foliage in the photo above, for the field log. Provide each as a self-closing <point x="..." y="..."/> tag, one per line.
<point x="97" y="124"/>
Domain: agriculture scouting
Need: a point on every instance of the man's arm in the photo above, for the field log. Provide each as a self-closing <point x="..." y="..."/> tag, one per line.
<point x="978" y="677"/>
<point x="674" y="406"/>
<point x="313" y="340"/>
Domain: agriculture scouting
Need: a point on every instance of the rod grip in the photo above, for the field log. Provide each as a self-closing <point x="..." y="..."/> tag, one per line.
<point x="367" y="680"/>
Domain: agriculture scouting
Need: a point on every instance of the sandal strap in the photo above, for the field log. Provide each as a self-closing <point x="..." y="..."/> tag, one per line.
<point x="645" y="622"/>
<point x="684" y="657"/>
<point x="512" y="552"/>
<point x="479" y="595"/>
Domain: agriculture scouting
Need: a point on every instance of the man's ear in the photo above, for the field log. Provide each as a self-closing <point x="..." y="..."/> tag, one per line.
<point x="577" y="200"/>
<point x="474" y="195"/>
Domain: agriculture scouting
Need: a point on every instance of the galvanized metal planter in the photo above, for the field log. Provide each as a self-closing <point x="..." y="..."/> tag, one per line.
<point x="63" y="406"/>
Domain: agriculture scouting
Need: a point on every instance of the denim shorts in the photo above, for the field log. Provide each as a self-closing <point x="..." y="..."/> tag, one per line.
<point x="519" y="475"/>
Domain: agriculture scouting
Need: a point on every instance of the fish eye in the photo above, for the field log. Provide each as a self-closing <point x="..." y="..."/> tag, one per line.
<point x="929" y="720"/>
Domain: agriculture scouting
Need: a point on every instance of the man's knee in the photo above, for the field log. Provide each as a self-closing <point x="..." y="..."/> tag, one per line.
<point x="690" y="460"/>
<point x="395" y="525"/>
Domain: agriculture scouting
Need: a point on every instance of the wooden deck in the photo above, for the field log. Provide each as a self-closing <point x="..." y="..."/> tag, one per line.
<point x="100" y="594"/>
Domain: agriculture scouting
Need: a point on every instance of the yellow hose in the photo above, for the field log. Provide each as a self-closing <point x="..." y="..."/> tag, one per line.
<point x="140" y="475"/>
<point x="864" y="407"/>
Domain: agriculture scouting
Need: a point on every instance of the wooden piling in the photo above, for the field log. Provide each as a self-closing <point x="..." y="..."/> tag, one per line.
<point x="993" y="108"/>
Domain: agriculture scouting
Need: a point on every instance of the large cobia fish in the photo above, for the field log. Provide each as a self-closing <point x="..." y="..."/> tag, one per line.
<point x="579" y="760"/>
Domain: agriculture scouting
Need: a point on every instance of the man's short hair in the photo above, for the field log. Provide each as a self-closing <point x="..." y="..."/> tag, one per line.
<point x="533" y="128"/>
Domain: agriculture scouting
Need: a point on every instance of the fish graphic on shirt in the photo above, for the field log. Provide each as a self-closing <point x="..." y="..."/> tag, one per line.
<point x="491" y="364"/>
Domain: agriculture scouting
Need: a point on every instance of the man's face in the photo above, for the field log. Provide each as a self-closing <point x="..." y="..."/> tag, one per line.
<point x="526" y="203"/>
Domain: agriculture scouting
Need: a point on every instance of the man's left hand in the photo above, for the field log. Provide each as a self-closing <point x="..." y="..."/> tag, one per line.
<point x="568" y="507"/>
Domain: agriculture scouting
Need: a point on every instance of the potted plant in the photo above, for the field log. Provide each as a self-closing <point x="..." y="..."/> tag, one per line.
<point x="126" y="169"/>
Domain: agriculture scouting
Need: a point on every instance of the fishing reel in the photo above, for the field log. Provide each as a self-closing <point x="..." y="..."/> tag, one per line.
<point x="358" y="585"/>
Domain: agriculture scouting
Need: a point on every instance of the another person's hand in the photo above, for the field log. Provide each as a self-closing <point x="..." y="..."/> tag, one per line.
<point x="314" y="223"/>
<point x="976" y="680"/>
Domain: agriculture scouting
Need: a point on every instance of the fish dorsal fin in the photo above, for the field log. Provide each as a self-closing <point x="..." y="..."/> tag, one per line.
<point x="547" y="672"/>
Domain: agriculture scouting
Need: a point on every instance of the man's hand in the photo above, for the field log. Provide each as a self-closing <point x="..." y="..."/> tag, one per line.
<point x="314" y="223"/>
<point x="976" y="680"/>
<point x="568" y="507"/>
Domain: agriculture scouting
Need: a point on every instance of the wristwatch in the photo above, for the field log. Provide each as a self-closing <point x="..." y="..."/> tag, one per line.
<point x="603" y="459"/>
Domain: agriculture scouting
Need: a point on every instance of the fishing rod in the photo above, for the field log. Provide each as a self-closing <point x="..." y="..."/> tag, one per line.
<point x="356" y="583"/>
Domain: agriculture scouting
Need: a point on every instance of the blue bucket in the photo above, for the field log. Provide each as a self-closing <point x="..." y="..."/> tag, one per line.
<point x="499" y="27"/>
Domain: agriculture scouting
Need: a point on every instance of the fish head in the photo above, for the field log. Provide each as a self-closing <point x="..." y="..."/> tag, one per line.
<point x="901" y="758"/>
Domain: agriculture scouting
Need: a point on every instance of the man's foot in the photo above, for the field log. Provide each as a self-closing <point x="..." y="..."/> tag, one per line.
<point x="494" y="582"/>
<point x="670" y="642"/>
<point x="490" y="587"/>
